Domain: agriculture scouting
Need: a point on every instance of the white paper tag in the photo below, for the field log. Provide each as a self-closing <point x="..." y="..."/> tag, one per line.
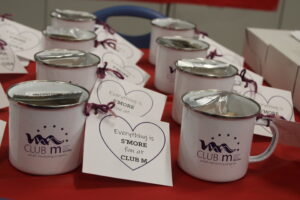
<point x="296" y="35"/>
<point x="24" y="41"/>
<point x="272" y="101"/>
<point x="3" y="98"/>
<point x="132" y="73"/>
<point x="239" y="85"/>
<point x="24" y="62"/>
<point x="228" y="56"/>
<point x="9" y="62"/>
<point x="2" y="129"/>
<point x="128" y="148"/>
<point x="123" y="47"/>
<point x="129" y="98"/>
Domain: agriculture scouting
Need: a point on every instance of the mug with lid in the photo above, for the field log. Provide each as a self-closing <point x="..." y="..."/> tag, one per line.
<point x="200" y="74"/>
<point x="171" y="49"/>
<point x="69" y="38"/>
<point x="216" y="135"/>
<point x="73" y="19"/>
<point x="168" y="27"/>
<point x="73" y="66"/>
<point x="46" y="124"/>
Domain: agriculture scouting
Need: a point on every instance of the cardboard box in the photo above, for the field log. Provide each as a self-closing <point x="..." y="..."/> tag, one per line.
<point x="296" y="95"/>
<point x="281" y="66"/>
<point x="275" y="54"/>
<point x="256" y="45"/>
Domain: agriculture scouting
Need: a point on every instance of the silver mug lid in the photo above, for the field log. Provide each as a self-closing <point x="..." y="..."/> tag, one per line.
<point x="72" y="15"/>
<point x="48" y="94"/>
<point x="67" y="58"/>
<point x="206" y="67"/>
<point x="182" y="43"/>
<point x="69" y="34"/>
<point x="222" y="104"/>
<point x="173" y="24"/>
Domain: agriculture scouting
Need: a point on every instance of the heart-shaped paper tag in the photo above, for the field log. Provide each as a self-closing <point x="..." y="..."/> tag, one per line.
<point x="125" y="50"/>
<point x="135" y="146"/>
<point x="132" y="74"/>
<point x="136" y="102"/>
<point x="7" y="59"/>
<point x="113" y="59"/>
<point x="273" y="105"/>
<point x="18" y="39"/>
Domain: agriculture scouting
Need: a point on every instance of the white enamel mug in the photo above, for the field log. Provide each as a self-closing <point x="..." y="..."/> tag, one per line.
<point x="216" y="135"/>
<point x="73" y="66"/>
<point x="73" y="19"/>
<point x="46" y="124"/>
<point x="171" y="49"/>
<point x="200" y="74"/>
<point x="69" y="38"/>
<point x="168" y="27"/>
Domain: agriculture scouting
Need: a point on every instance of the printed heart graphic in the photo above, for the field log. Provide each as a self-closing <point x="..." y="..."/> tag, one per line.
<point x="125" y="50"/>
<point x="113" y="59"/>
<point x="273" y="101"/>
<point x="134" y="146"/>
<point x="137" y="77"/>
<point x="19" y="40"/>
<point x="7" y="58"/>
<point x="132" y="74"/>
<point x="136" y="102"/>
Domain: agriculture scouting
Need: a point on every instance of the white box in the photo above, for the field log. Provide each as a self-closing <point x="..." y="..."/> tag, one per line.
<point x="257" y="43"/>
<point x="275" y="54"/>
<point x="296" y="95"/>
<point x="281" y="66"/>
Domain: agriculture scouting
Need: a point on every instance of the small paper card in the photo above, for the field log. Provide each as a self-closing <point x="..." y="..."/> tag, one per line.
<point x="2" y="129"/>
<point x="3" y="98"/>
<point x="129" y="98"/>
<point x="239" y="85"/>
<point x="24" y="41"/>
<point x="272" y="101"/>
<point x="131" y="72"/>
<point x="227" y="55"/>
<point x="9" y="62"/>
<point x="128" y="148"/>
<point x="123" y="47"/>
<point x="296" y="35"/>
<point x="24" y="62"/>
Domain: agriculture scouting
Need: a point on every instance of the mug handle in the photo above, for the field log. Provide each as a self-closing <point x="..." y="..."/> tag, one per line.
<point x="275" y="133"/>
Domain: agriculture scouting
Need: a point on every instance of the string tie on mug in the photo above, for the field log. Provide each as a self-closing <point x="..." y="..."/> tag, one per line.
<point x="204" y="34"/>
<point x="247" y="81"/>
<point x="101" y="72"/>
<point x="106" y="27"/>
<point x="2" y="44"/>
<point x="106" y="43"/>
<point x="213" y="54"/>
<point x="269" y="118"/>
<point x="103" y="108"/>
<point x="172" y="70"/>
<point x="5" y="16"/>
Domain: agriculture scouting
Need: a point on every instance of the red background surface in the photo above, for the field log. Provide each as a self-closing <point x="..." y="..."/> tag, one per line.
<point x="275" y="178"/>
<point x="246" y="4"/>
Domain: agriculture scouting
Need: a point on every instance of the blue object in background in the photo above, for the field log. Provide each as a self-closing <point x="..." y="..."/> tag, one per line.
<point x="140" y="41"/>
